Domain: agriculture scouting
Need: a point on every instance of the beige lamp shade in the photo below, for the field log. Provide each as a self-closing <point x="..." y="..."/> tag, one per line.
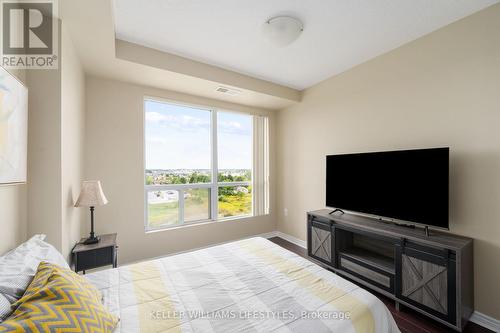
<point x="91" y="194"/>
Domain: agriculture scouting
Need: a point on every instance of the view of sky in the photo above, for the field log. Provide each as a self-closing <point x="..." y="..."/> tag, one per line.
<point x="178" y="137"/>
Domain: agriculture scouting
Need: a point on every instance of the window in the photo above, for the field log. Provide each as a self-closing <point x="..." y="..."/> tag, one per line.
<point x="198" y="164"/>
<point x="234" y="151"/>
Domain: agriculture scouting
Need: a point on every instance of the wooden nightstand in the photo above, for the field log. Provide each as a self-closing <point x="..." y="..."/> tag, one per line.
<point x="95" y="255"/>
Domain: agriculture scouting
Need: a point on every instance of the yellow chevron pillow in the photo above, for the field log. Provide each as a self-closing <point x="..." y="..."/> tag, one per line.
<point x="59" y="300"/>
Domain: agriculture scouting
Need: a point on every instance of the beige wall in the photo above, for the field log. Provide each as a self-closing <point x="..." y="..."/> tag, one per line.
<point x="72" y="132"/>
<point x="441" y="90"/>
<point x="44" y="155"/>
<point x="12" y="216"/>
<point x="114" y="155"/>
<point x="55" y="148"/>
<point x="13" y="205"/>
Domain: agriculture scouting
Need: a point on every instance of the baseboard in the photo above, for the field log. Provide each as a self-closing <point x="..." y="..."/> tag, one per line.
<point x="291" y="239"/>
<point x="477" y="317"/>
<point x="485" y="321"/>
<point x="268" y="234"/>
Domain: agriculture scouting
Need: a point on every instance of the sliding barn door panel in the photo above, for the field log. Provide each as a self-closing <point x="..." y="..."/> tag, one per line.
<point x="428" y="281"/>
<point x="321" y="241"/>
<point x="425" y="283"/>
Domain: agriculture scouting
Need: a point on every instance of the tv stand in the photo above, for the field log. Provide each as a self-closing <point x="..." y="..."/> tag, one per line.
<point x="432" y="274"/>
<point x="336" y="210"/>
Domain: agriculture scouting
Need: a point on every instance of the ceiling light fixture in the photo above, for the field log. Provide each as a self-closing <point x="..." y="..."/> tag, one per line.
<point x="282" y="30"/>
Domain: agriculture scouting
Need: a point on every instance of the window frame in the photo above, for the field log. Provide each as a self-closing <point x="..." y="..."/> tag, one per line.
<point x="213" y="185"/>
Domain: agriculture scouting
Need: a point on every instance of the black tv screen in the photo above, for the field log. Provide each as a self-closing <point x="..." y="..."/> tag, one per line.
<point x="407" y="185"/>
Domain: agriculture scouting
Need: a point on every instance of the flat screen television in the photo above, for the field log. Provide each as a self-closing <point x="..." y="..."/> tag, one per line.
<point x="406" y="185"/>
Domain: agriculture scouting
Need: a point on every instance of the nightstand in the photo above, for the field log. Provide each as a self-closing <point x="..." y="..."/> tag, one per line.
<point x="95" y="255"/>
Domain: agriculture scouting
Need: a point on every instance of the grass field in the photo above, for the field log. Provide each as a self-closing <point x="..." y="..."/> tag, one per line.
<point x="235" y="204"/>
<point x="196" y="207"/>
<point x="163" y="214"/>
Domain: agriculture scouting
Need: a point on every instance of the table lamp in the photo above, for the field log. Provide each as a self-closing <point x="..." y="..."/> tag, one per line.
<point x="91" y="196"/>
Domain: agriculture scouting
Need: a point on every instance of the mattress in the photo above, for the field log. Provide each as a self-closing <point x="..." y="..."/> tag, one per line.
<point x="244" y="286"/>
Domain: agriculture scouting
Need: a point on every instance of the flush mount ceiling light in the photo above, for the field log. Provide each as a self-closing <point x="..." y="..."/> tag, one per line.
<point x="282" y="30"/>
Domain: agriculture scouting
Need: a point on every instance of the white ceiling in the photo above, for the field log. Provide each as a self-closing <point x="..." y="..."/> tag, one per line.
<point x="338" y="34"/>
<point x="90" y="25"/>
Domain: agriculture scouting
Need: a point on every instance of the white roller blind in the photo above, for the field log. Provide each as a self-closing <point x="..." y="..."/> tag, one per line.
<point x="261" y="165"/>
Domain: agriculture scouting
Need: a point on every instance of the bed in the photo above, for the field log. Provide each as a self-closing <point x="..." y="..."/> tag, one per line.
<point x="243" y="286"/>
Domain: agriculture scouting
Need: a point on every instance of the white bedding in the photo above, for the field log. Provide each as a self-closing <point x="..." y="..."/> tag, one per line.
<point x="243" y="286"/>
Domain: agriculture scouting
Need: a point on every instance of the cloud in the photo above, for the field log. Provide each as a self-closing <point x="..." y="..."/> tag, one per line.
<point x="233" y="127"/>
<point x="156" y="117"/>
<point x="232" y="124"/>
<point x="183" y="123"/>
<point x="193" y="121"/>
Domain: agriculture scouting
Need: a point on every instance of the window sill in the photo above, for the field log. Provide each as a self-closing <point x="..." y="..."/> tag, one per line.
<point x="198" y="223"/>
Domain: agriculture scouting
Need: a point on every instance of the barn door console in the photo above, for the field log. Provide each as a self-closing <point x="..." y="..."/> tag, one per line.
<point x="432" y="274"/>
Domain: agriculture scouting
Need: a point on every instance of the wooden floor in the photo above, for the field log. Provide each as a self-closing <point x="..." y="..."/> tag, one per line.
<point x="408" y="321"/>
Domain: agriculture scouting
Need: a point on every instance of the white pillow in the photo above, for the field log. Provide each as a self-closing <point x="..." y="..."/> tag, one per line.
<point x="5" y="309"/>
<point x="18" y="266"/>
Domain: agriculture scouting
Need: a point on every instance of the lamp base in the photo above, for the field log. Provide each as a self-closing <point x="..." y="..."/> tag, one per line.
<point x="91" y="240"/>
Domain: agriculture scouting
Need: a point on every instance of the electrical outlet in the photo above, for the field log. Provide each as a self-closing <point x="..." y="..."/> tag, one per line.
<point x="285" y="211"/>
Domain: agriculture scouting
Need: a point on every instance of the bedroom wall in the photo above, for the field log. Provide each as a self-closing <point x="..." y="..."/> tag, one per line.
<point x="440" y="90"/>
<point x="114" y="151"/>
<point x="44" y="155"/>
<point x="13" y="204"/>
<point x="72" y="132"/>
<point x="55" y="148"/>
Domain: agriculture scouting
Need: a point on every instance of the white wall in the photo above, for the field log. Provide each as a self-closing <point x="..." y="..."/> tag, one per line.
<point x="440" y="90"/>
<point x="114" y="155"/>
